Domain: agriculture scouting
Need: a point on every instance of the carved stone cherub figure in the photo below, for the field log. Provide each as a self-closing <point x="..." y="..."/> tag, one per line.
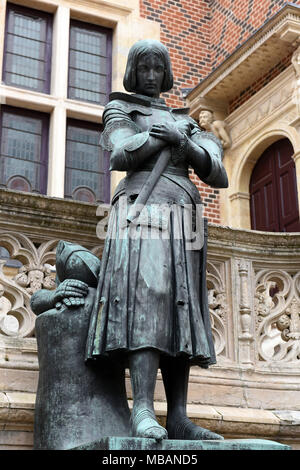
<point x="219" y="128"/>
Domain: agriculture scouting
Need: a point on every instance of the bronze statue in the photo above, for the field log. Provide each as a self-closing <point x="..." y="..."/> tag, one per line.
<point x="150" y="308"/>
<point x="152" y="297"/>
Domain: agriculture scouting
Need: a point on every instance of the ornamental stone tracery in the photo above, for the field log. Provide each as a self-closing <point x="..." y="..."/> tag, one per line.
<point x="218" y="307"/>
<point x="255" y="312"/>
<point x="277" y="310"/>
<point x="17" y="319"/>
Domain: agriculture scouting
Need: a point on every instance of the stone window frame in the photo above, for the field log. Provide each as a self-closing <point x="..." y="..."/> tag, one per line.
<point x="73" y="70"/>
<point x="103" y="195"/>
<point x="41" y="187"/>
<point x="45" y="70"/>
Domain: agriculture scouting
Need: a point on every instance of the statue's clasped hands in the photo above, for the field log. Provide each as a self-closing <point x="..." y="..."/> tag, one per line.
<point x="171" y="132"/>
<point x="70" y="293"/>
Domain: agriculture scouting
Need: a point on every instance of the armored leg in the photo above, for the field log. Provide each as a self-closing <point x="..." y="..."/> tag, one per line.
<point x="175" y="374"/>
<point x="143" y="367"/>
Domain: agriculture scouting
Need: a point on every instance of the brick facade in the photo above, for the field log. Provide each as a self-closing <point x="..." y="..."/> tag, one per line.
<point x="233" y="22"/>
<point x="185" y="30"/>
<point x="200" y="35"/>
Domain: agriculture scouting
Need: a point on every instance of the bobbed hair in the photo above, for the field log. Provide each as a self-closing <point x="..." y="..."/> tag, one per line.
<point x="136" y="52"/>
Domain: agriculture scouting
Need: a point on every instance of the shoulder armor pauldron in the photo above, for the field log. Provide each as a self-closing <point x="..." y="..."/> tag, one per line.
<point x="117" y="115"/>
<point x="128" y="104"/>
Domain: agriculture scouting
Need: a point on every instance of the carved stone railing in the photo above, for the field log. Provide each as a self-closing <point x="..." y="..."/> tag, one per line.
<point x="254" y="297"/>
<point x="253" y="282"/>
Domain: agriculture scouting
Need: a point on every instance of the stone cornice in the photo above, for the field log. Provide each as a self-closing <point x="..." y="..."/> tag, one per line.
<point x="124" y="7"/>
<point x="274" y="102"/>
<point x="264" y="49"/>
<point x="44" y="217"/>
<point x="256" y="243"/>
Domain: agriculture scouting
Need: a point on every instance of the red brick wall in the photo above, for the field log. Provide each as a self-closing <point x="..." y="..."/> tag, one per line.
<point x="210" y="199"/>
<point x="200" y="34"/>
<point x="234" y="21"/>
<point x="185" y="30"/>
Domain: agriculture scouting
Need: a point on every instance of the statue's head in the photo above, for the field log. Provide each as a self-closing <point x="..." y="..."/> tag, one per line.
<point x="148" y="70"/>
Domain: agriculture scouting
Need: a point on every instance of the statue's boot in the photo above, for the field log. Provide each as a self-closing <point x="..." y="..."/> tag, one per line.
<point x="175" y="373"/>
<point x="143" y="367"/>
<point x="183" y="428"/>
<point x="144" y="424"/>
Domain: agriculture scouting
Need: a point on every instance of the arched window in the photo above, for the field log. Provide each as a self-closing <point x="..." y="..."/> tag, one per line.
<point x="273" y="190"/>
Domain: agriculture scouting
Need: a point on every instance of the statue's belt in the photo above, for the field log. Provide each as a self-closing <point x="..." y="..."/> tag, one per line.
<point x="169" y="170"/>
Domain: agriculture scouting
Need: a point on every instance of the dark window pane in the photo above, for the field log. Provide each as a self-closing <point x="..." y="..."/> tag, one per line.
<point x="83" y="156"/>
<point x="27" y="170"/>
<point x="87" y="176"/>
<point x="30" y="67"/>
<point x="89" y="63"/>
<point x="88" y="40"/>
<point x="27" y="56"/>
<point x="22" y="123"/>
<point x="26" y="82"/>
<point x="23" y="150"/>
<point x="85" y="95"/>
<point x="25" y="47"/>
<point x="27" y="24"/>
<point x="87" y="80"/>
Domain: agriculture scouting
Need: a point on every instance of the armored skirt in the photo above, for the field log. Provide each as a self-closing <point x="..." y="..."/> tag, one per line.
<point x="152" y="291"/>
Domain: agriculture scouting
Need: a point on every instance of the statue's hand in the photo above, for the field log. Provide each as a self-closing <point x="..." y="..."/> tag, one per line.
<point x="183" y="126"/>
<point x="166" y="131"/>
<point x="71" y="293"/>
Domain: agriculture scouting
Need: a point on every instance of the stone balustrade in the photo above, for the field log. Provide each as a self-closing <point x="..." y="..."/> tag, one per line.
<point x="253" y="281"/>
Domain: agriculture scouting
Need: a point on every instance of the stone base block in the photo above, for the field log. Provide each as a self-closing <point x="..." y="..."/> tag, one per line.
<point x="135" y="443"/>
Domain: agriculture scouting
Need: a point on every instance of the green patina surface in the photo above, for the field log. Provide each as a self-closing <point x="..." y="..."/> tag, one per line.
<point x="132" y="444"/>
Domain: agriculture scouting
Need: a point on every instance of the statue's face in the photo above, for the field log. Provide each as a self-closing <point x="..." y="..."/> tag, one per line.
<point x="150" y="74"/>
<point x="205" y="117"/>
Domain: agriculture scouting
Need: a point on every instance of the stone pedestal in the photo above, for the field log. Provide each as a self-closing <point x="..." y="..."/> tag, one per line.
<point x="75" y="402"/>
<point x="135" y="444"/>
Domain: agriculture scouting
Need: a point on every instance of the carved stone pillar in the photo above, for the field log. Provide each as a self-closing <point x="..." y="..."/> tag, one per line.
<point x="245" y="337"/>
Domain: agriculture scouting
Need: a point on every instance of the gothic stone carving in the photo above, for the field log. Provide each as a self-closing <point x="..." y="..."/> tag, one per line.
<point x="16" y="316"/>
<point x="277" y="309"/>
<point x="218" y="306"/>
